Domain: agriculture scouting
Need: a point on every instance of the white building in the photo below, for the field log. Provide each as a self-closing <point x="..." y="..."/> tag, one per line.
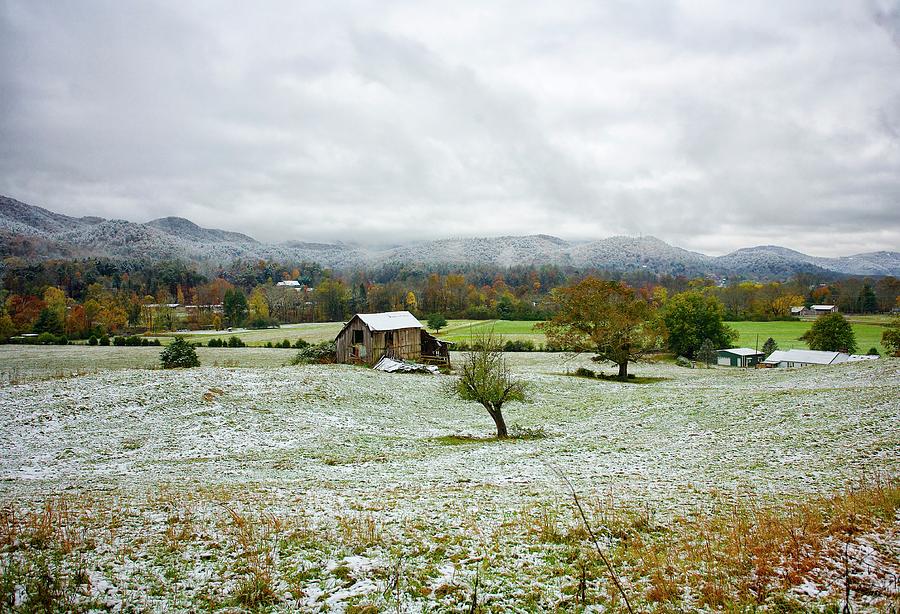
<point x="804" y="358"/>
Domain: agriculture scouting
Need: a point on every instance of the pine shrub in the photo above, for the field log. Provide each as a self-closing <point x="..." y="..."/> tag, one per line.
<point x="179" y="354"/>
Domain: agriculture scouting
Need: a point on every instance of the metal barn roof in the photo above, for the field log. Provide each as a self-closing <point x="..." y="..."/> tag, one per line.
<point x="815" y="357"/>
<point x="389" y="320"/>
<point x="821" y="307"/>
<point x="742" y="352"/>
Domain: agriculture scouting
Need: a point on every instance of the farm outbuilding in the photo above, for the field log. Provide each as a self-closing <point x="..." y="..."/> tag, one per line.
<point x="738" y="357"/>
<point x="804" y="358"/>
<point x="368" y="337"/>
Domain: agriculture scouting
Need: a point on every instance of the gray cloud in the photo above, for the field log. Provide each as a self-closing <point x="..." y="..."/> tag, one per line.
<point x="709" y="125"/>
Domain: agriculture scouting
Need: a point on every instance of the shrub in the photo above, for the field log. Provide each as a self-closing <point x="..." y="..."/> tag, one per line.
<point x="873" y="351"/>
<point x="46" y="339"/>
<point x="681" y="361"/>
<point x="299" y="344"/>
<point x="92" y="340"/>
<point x="214" y="343"/>
<point x="518" y="345"/>
<point x="319" y="353"/>
<point x="119" y="341"/>
<point x="582" y="372"/>
<point x="235" y="342"/>
<point x="179" y="354"/>
<point x="132" y="341"/>
<point x="268" y="344"/>
<point x="286" y="344"/>
<point x="104" y="340"/>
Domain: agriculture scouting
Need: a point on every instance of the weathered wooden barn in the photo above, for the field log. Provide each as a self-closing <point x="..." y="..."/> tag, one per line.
<point x="395" y="334"/>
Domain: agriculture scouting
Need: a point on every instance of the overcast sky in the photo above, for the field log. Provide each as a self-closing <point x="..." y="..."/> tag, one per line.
<point x="712" y="125"/>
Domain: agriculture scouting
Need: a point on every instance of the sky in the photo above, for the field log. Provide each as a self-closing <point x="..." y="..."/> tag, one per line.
<point x="711" y="125"/>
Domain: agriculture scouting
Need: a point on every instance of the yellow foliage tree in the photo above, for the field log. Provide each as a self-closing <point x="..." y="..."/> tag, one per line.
<point x="259" y="305"/>
<point x="56" y="302"/>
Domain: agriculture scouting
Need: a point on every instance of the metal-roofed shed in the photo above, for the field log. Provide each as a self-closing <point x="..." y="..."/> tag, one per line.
<point x="738" y="357"/>
<point x="804" y="358"/>
<point x="368" y="337"/>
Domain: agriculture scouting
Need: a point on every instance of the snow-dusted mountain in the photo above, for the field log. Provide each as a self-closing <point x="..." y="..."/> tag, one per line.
<point x="33" y="232"/>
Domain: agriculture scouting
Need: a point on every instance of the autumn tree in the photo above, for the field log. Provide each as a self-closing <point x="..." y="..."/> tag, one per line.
<point x="333" y="296"/>
<point x="259" y="308"/>
<point x="831" y="333"/>
<point x="890" y="338"/>
<point x="411" y="303"/>
<point x="55" y="301"/>
<point x="485" y="378"/>
<point x="692" y="316"/>
<point x="781" y="306"/>
<point x="606" y="318"/>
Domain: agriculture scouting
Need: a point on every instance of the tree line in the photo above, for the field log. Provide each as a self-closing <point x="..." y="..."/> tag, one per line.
<point x="80" y="298"/>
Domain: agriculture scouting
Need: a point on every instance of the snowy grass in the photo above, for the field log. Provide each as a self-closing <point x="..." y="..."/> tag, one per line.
<point x="21" y="363"/>
<point x="310" y="332"/>
<point x="331" y="487"/>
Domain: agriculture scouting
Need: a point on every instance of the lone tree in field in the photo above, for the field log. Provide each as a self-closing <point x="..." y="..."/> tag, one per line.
<point x="693" y="316"/>
<point x="831" y="333"/>
<point x="606" y="318"/>
<point x="179" y="354"/>
<point x="436" y="321"/>
<point x="769" y="346"/>
<point x="486" y="379"/>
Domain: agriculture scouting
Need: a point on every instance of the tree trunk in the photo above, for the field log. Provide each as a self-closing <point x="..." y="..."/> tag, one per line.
<point x="498" y="420"/>
<point x="623" y="370"/>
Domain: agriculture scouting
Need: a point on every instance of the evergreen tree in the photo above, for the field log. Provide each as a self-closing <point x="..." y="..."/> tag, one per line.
<point x="769" y="346"/>
<point x="707" y="352"/>
<point x="179" y="354"/>
<point x="235" y="307"/>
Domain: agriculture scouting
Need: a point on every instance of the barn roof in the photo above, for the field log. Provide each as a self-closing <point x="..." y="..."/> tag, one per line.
<point x="389" y="320"/>
<point x="815" y="357"/>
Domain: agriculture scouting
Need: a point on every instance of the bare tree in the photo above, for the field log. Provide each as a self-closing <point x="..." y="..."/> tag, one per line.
<point x="486" y="378"/>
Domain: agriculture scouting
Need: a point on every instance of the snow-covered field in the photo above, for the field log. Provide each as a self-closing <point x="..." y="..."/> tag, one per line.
<point x="340" y="488"/>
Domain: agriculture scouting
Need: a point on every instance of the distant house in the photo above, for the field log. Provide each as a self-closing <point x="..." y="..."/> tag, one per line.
<point x="804" y="358"/>
<point x="823" y="309"/>
<point x="860" y="357"/>
<point x="738" y="357"/>
<point x="814" y="310"/>
<point x="291" y="283"/>
<point x="368" y="337"/>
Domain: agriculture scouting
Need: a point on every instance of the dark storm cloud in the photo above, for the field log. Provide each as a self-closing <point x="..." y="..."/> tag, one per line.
<point x="711" y="125"/>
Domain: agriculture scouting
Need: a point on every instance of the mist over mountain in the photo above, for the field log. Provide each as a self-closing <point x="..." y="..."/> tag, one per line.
<point x="35" y="233"/>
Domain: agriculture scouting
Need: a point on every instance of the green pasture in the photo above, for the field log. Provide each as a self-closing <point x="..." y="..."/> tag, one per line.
<point x="464" y="330"/>
<point x="311" y="332"/>
<point x="787" y="334"/>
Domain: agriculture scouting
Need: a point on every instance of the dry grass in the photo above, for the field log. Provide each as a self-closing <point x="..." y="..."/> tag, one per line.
<point x="745" y="553"/>
<point x="739" y="555"/>
<point x="257" y="551"/>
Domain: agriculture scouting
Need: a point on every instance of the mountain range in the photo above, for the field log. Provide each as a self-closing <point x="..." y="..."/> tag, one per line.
<point x="35" y="233"/>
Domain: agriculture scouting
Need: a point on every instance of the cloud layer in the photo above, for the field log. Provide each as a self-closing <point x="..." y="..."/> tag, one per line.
<point x="710" y="125"/>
